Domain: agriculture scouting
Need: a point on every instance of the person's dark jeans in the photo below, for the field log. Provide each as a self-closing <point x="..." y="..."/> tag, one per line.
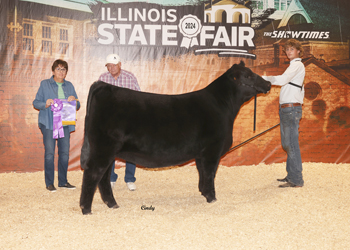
<point x="130" y="169"/>
<point x="289" y="127"/>
<point x="63" y="156"/>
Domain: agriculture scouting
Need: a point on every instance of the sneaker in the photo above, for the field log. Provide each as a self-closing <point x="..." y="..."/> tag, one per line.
<point x="113" y="184"/>
<point x="288" y="184"/>
<point x="51" y="188"/>
<point x="131" y="186"/>
<point x="67" y="185"/>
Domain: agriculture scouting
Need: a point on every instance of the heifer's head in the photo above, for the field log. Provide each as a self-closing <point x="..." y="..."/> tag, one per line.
<point x="249" y="82"/>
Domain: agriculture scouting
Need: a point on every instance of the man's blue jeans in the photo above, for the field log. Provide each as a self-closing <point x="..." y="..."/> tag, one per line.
<point x="130" y="169"/>
<point x="289" y="125"/>
<point x="63" y="156"/>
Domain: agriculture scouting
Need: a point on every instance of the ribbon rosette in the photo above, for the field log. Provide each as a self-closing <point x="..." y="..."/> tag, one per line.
<point x="56" y="108"/>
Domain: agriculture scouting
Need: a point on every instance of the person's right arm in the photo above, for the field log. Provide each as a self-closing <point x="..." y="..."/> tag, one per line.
<point x="39" y="101"/>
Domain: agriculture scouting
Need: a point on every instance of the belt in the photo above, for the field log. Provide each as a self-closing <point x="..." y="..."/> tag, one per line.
<point x="286" y="105"/>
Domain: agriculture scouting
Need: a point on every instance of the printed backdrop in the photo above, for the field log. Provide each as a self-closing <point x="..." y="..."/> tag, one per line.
<point x="175" y="47"/>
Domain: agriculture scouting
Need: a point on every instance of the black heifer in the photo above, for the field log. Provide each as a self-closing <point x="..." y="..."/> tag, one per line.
<point x="155" y="130"/>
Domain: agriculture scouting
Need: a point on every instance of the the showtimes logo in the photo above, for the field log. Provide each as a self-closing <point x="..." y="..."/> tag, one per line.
<point x="322" y="35"/>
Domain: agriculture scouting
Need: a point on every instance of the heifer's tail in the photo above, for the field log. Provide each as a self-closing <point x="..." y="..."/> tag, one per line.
<point x="85" y="150"/>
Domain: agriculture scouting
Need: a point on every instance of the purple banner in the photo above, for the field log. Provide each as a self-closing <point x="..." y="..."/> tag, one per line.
<point x="68" y="112"/>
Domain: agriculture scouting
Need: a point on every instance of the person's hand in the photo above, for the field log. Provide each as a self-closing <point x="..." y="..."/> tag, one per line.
<point x="49" y="102"/>
<point x="71" y="98"/>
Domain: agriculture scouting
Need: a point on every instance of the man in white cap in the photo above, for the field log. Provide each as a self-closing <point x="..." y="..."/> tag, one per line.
<point x="121" y="78"/>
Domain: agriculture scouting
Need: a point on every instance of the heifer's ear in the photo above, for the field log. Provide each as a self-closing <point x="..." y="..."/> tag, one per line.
<point x="242" y="64"/>
<point x="234" y="72"/>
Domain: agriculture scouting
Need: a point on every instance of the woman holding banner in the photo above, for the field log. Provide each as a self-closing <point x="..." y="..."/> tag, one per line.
<point x="53" y="95"/>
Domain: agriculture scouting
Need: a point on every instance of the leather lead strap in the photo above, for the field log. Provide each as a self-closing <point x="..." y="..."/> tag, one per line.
<point x="250" y="139"/>
<point x="254" y="112"/>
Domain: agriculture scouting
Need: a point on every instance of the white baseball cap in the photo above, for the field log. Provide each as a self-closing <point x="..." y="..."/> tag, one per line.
<point x="112" y="58"/>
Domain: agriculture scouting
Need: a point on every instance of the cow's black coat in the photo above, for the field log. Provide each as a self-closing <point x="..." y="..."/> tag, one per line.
<point x="156" y="130"/>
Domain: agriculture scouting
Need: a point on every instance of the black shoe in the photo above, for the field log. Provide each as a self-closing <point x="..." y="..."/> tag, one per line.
<point x="288" y="184"/>
<point x="67" y="185"/>
<point x="283" y="180"/>
<point x="51" y="188"/>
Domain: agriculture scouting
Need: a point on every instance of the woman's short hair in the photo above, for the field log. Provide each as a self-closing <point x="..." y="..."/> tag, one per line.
<point x="55" y="64"/>
<point x="296" y="44"/>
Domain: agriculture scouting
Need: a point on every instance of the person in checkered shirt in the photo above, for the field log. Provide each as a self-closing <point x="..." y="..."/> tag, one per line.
<point x="125" y="79"/>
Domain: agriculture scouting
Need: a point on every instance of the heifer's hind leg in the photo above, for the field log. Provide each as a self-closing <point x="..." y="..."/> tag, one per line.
<point x="105" y="189"/>
<point x="88" y="190"/>
<point x="91" y="178"/>
<point x="207" y="171"/>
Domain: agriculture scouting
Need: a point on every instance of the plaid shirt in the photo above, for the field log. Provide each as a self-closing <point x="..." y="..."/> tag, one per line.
<point x="125" y="80"/>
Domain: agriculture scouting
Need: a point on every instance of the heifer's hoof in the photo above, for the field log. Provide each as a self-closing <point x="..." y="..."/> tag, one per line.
<point x="212" y="201"/>
<point x="210" y="197"/>
<point x="112" y="204"/>
<point x="115" y="206"/>
<point x="86" y="211"/>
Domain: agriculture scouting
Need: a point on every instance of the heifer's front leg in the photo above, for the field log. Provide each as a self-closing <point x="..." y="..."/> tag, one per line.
<point x="200" y="172"/>
<point x="207" y="171"/>
<point x="106" y="190"/>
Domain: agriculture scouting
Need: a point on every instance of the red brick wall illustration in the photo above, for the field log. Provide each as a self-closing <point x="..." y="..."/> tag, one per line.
<point x="324" y="128"/>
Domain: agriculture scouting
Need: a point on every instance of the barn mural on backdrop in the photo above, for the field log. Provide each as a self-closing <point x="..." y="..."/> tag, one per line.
<point x="176" y="47"/>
